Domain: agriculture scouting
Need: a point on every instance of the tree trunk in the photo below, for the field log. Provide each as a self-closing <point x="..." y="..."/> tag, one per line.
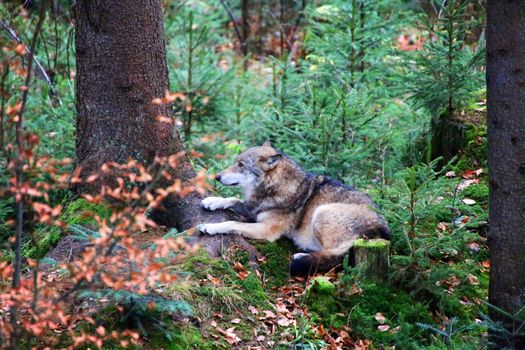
<point x="448" y="138"/>
<point x="506" y="156"/>
<point x="121" y="67"/>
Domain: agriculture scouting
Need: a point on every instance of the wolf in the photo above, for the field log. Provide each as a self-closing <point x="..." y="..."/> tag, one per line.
<point x="323" y="217"/>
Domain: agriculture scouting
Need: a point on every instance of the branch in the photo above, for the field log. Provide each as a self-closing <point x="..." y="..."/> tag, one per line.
<point x="235" y="26"/>
<point x="298" y="22"/>
<point x="13" y="34"/>
<point x="19" y="169"/>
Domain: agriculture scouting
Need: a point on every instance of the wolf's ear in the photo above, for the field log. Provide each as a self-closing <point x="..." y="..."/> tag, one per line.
<point x="269" y="163"/>
<point x="267" y="144"/>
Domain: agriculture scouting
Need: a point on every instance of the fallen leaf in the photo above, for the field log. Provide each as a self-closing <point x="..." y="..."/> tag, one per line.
<point x="473" y="246"/>
<point x="242" y="275"/>
<point x="466" y="183"/>
<point x="380" y="317"/>
<point x="253" y="310"/>
<point x="454" y="281"/>
<point x="355" y="289"/>
<point x="237" y="266"/>
<point x="362" y="344"/>
<point x="394" y="330"/>
<point x="213" y="280"/>
<point x="269" y="314"/>
<point x="383" y="328"/>
<point x="280" y="307"/>
<point x="284" y="322"/>
<point x="471" y="173"/>
<point x="442" y="226"/>
<point x="236" y="321"/>
<point x="473" y="280"/>
<point x="229" y="335"/>
<point x="320" y="330"/>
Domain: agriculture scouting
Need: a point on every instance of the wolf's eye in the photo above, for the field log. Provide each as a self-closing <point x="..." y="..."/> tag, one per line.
<point x="240" y="165"/>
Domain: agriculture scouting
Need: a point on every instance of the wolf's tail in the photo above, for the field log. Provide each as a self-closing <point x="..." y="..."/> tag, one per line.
<point x="307" y="264"/>
<point x="384" y="232"/>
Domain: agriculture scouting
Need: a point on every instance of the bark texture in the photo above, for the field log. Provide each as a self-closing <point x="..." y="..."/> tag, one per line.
<point x="506" y="136"/>
<point x="121" y="67"/>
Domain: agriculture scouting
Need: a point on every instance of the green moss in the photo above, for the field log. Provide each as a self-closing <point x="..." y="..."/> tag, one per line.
<point x="371" y="244"/>
<point x="478" y="192"/>
<point x="233" y="292"/>
<point x="278" y="255"/>
<point x="476" y="149"/>
<point x="398" y="308"/>
<point x="322" y="285"/>
<point x="82" y="212"/>
<point x="200" y="264"/>
<point x="45" y="238"/>
<point x="320" y="297"/>
<point x="78" y="212"/>
<point x="178" y="337"/>
<point x="255" y="293"/>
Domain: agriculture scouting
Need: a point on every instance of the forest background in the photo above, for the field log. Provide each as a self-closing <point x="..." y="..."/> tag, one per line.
<point x="388" y="96"/>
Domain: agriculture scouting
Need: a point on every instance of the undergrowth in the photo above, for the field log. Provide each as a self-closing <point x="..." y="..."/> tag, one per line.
<point x="340" y="108"/>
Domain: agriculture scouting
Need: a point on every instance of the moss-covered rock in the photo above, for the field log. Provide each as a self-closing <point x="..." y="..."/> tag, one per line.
<point x="322" y="285"/>
<point x="321" y="298"/>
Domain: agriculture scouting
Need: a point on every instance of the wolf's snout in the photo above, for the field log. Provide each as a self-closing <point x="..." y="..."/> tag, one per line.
<point x="218" y="177"/>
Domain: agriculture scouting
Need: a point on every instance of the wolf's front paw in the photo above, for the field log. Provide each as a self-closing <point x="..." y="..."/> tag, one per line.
<point x="215" y="203"/>
<point x="211" y="229"/>
<point x="298" y="256"/>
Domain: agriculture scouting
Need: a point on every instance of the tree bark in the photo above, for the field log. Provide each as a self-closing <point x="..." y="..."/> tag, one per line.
<point x="506" y="156"/>
<point x="121" y="68"/>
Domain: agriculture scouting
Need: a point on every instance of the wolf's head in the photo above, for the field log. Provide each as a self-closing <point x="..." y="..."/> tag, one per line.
<point x="250" y="168"/>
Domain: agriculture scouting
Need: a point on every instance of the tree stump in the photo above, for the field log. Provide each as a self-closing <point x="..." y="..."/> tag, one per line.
<point x="372" y="257"/>
<point x="448" y="138"/>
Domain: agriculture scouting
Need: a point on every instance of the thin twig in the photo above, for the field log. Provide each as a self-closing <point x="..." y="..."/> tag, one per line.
<point x="2" y="108"/>
<point x="13" y="34"/>
<point x="297" y="22"/>
<point x="232" y="19"/>
<point x="19" y="172"/>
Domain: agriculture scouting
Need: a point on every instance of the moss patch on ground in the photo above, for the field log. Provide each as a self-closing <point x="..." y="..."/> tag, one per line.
<point x="278" y="254"/>
<point x="77" y="212"/>
<point x="83" y="212"/>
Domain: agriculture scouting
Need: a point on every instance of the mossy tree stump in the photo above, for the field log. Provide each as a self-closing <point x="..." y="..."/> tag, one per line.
<point x="372" y="257"/>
